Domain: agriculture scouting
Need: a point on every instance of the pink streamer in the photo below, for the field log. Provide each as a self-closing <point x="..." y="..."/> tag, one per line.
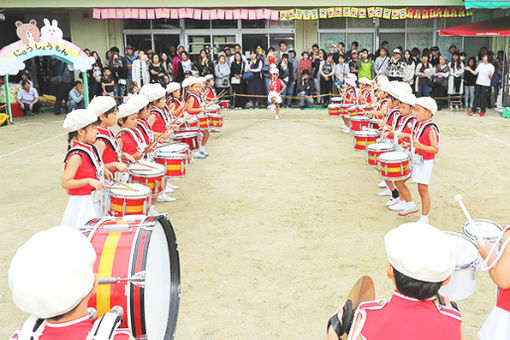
<point x="244" y="14"/>
<point x="213" y="15"/>
<point x="112" y="14"/>
<point x="275" y="15"/>
<point x="119" y="13"/>
<point x="229" y="15"/>
<point x="252" y="14"/>
<point x="142" y="13"/>
<point x="205" y="14"/>
<point x="127" y="13"/>
<point x="197" y="14"/>
<point x="237" y="14"/>
<point x="96" y="13"/>
<point x="174" y="13"/>
<point x="151" y="14"/>
<point x="135" y="13"/>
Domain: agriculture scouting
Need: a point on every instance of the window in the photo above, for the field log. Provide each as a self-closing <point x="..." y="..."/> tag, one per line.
<point x="274" y="41"/>
<point x="198" y="42"/>
<point x="224" y="24"/>
<point x="388" y="23"/>
<point x="444" y="43"/>
<point x="334" y="23"/>
<point x="328" y="39"/>
<point x="192" y="23"/>
<point x="360" y="23"/>
<point x="395" y="40"/>
<point x="365" y="40"/>
<point x="137" y="24"/>
<point x="250" y="41"/>
<point x="139" y="41"/>
<point x="253" y="23"/>
<point x="472" y="45"/>
<point x="286" y="24"/>
<point x="165" y="24"/>
<point x="162" y="42"/>
<point x="419" y="40"/>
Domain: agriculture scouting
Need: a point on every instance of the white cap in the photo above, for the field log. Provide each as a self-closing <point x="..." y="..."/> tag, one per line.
<point x="386" y="87"/>
<point x="171" y="87"/>
<point x="145" y="90"/>
<point x="185" y="82"/>
<point x="382" y="79"/>
<point x="126" y="110"/>
<point x="351" y="76"/>
<point x="407" y="98"/>
<point x="138" y="100"/>
<point x="273" y="71"/>
<point x="394" y="90"/>
<point x="397" y="50"/>
<point x="78" y="119"/>
<point x="201" y="80"/>
<point x="428" y="103"/>
<point x="52" y="272"/>
<point x="209" y="77"/>
<point x="420" y="251"/>
<point x="193" y="80"/>
<point x="364" y="80"/>
<point x="101" y="104"/>
<point x="156" y="91"/>
<point x="404" y="87"/>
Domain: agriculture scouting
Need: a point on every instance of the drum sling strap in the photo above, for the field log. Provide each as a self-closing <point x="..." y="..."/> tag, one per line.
<point x="104" y="328"/>
<point x="113" y="144"/>
<point x="391" y="113"/>
<point x="136" y="137"/>
<point x="96" y="161"/>
<point x="422" y="129"/>
<point x="196" y="98"/>
<point x="162" y="115"/>
<point x="32" y="328"/>
<point x="146" y="131"/>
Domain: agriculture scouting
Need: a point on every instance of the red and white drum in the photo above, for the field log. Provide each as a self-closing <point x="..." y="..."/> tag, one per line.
<point x="336" y="100"/>
<point x="202" y="118"/>
<point x="343" y="109"/>
<point x="359" y="122"/>
<point x="334" y="109"/>
<point x="151" y="176"/>
<point x="224" y="104"/>
<point x="130" y="202"/>
<point x="375" y="150"/>
<point x="182" y="148"/>
<point x="394" y="166"/>
<point x="362" y="109"/>
<point x="373" y="123"/>
<point x="190" y="138"/>
<point x="138" y="267"/>
<point x="192" y="125"/>
<point x="362" y="139"/>
<point x="173" y="162"/>
<point x="215" y="120"/>
<point x="212" y="112"/>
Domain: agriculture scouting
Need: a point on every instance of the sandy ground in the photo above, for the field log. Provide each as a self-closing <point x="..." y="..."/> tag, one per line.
<point x="277" y="224"/>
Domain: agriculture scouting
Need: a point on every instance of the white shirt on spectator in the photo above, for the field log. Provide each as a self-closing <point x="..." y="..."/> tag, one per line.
<point x="483" y="70"/>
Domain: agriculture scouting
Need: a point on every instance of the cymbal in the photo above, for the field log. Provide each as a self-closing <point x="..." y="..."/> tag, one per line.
<point x="363" y="290"/>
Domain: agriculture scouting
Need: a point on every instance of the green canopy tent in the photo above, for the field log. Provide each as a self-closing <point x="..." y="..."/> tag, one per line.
<point x="487" y="4"/>
<point x="35" y="42"/>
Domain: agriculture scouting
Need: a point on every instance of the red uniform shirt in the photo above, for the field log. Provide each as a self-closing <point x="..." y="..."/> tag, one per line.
<point x="210" y="93"/>
<point x="195" y="102"/>
<point x="392" y="115"/>
<point x="275" y="85"/>
<point x="112" y="151"/>
<point x="91" y="163"/>
<point x="131" y="140"/>
<point x="350" y="96"/>
<point x="365" y="94"/>
<point x="145" y="130"/>
<point x="161" y="123"/>
<point x="73" y="330"/>
<point x="405" y="318"/>
<point x="503" y="301"/>
<point x="403" y="126"/>
<point x="421" y="132"/>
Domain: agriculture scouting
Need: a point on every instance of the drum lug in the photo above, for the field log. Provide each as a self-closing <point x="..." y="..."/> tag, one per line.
<point x="144" y="211"/>
<point x="124" y="207"/>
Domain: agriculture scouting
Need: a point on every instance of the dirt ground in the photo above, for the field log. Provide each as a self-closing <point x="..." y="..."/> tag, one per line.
<point x="277" y="224"/>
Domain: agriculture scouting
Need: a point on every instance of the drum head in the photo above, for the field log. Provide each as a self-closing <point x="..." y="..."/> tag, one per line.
<point x="185" y="135"/>
<point x="487" y="229"/>
<point x="142" y="191"/>
<point x="144" y="171"/>
<point x="180" y="147"/>
<point x="360" y="119"/>
<point x="380" y="147"/>
<point x="466" y="251"/>
<point x="162" y="281"/>
<point x="366" y="134"/>
<point x="393" y="156"/>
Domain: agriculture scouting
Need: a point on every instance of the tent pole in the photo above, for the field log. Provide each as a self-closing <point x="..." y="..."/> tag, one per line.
<point x="7" y="97"/>
<point x="85" y="89"/>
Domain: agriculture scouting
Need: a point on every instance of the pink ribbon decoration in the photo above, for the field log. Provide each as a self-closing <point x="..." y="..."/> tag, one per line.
<point x="119" y="13"/>
<point x="275" y="15"/>
<point x="237" y="14"/>
<point x="213" y="14"/>
<point x="112" y="14"/>
<point x="142" y="13"/>
<point x="197" y="14"/>
<point x="96" y="13"/>
<point x="151" y="14"/>
<point x="182" y="13"/>
<point x="267" y="14"/>
<point x="252" y="14"/>
<point x="134" y="13"/>
<point x="205" y="14"/>
<point x="174" y="13"/>
<point x="229" y="14"/>
<point x="244" y="14"/>
<point x="127" y="13"/>
<point x="220" y="14"/>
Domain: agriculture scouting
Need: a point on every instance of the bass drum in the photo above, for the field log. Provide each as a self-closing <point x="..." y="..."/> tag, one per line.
<point x="139" y="271"/>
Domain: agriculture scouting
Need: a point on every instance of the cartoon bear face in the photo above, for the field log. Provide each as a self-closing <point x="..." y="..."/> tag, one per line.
<point x="28" y="32"/>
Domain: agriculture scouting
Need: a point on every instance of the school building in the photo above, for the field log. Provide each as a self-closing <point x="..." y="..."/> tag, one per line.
<point x="157" y="24"/>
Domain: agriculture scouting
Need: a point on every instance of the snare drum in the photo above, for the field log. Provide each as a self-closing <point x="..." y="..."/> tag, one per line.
<point x="362" y="139"/>
<point x="359" y="122"/>
<point x="192" y="125"/>
<point x="375" y="150"/>
<point x="215" y="120"/>
<point x="343" y="109"/>
<point x="127" y="202"/>
<point x="202" y="118"/>
<point x="334" y="109"/>
<point x="394" y="166"/>
<point x="138" y="267"/>
<point x="174" y="163"/>
<point x="336" y="100"/>
<point x="224" y="104"/>
<point x="488" y="230"/>
<point x="152" y="178"/>
<point x="463" y="280"/>
<point x="190" y="138"/>
<point x="182" y="148"/>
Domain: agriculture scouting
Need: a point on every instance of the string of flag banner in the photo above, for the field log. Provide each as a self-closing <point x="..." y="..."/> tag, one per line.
<point x="283" y="15"/>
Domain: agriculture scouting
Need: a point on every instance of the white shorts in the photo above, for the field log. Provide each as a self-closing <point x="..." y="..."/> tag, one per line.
<point x="422" y="172"/>
<point x="276" y="95"/>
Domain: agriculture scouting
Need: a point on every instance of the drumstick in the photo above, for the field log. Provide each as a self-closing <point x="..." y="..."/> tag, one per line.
<point x="156" y="140"/>
<point x="458" y="199"/>
<point x="121" y="183"/>
<point x="142" y="169"/>
<point x="147" y="165"/>
<point x="121" y="188"/>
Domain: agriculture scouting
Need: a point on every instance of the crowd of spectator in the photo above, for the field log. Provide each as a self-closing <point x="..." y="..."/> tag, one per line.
<point x="474" y="81"/>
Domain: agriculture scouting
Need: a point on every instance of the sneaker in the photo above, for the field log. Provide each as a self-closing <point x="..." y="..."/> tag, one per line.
<point x="346" y="130"/>
<point x="392" y="201"/>
<point x="173" y="186"/>
<point x="273" y="108"/>
<point x="410" y="208"/>
<point x="204" y="153"/>
<point x="165" y="198"/>
<point x="277" y="117"/>
<point x="398" y="206"/>
<point x="423" y="219"/>
<point x="382" y="184"/>
<point x="482" y="113"/>
<point x="153" y="211"/>
<point x="386" y="192"/>
<point x="169" y="189"/>
<point x="198" y="155"/>
<point x="270" y="106"/>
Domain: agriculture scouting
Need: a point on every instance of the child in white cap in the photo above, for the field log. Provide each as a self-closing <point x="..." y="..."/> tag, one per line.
<point x="194" y="107"/>
<point x="276" y="86"/>
<point x="84" y="170"/>
<point x="106" y="110"/>
<point x="210" y="93"/>
<point x="51" y="278"/>
<point x="421" y="259"/>
<point x="350" y="97"/>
